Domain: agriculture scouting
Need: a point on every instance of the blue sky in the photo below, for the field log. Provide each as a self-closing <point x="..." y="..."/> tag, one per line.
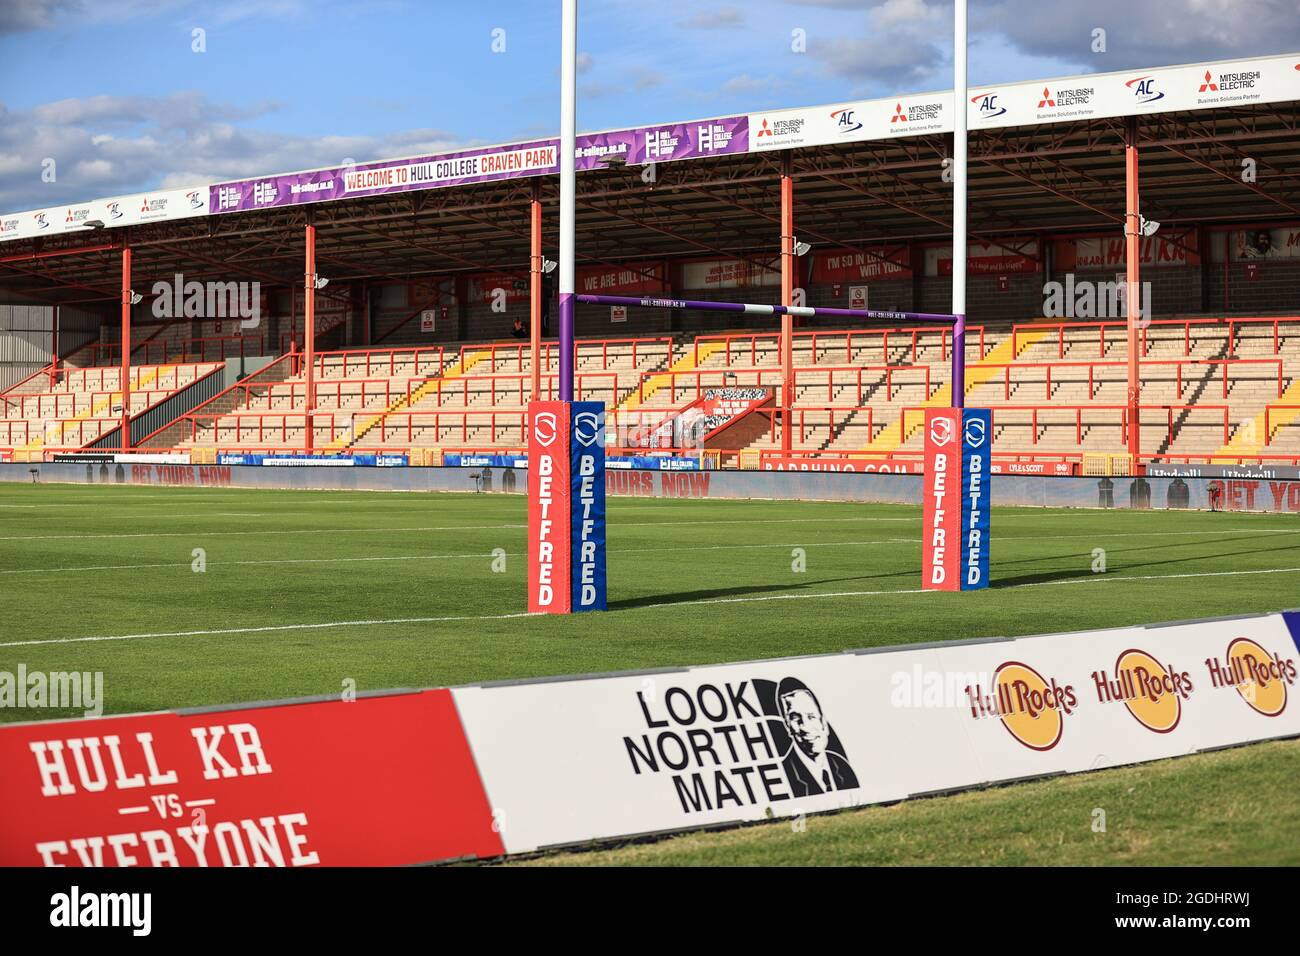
<point x="112" y="91"/>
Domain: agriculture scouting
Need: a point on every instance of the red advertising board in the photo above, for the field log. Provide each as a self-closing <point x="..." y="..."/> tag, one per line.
<point x="849" y="265"/>
<point x="372" y="781"/>
<point x="549" y="563"/>
<point x="941" y="530"/>
<point x="642" y="279"/>
<point x="1172" y="249"/>
<point x="491" y="287"/>
<point x="988" y="258"/>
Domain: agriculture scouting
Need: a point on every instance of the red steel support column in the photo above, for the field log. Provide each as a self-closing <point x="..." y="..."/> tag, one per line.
<point x="309" y="332"/>
<point x="367" y="333"/>
<point x="535" y="290"/>
<point x="1132" y="255"/>
<point x="126" y="346"/>
<point x="54" y="347"/>
<point x="787" y="296"/>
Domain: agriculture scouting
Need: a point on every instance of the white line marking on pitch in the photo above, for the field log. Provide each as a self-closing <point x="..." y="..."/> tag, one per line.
<point x="278" y="627"/>
<point x="482" y="527"/>
<point x="1100" y="578"/>
<point x="438" y="557"/>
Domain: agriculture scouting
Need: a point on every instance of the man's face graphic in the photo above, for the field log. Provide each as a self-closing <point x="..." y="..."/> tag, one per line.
<point x="804" y="718"/>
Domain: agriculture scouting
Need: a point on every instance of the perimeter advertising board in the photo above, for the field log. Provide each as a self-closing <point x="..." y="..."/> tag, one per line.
<point x="568" y="762"/>
<point x="478" y="771"/>
<point x="333" y="783"/>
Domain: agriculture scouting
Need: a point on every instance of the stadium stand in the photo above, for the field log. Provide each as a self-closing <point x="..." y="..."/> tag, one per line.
<point x="1213" y="387"/>
<point x="68" y="408"/>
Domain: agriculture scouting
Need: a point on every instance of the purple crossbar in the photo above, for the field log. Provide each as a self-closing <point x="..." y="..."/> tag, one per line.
<point x="958" y="322"/>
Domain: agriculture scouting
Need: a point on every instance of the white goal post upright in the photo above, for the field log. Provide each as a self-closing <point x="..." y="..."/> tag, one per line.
<point x="960" y="103"/>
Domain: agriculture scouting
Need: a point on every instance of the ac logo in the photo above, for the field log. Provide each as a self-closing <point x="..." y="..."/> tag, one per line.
<point x="988" y="105"/>
<point x="844" y="121"/>
<point x="1144" y="89"/>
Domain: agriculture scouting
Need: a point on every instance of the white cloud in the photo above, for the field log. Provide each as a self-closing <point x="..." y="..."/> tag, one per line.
<point x="717" y="19"/>
<point x="744" y="83"/>
<point x="178" y="140"/>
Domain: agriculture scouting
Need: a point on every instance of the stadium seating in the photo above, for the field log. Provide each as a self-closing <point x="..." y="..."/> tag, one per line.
<point x="1211" y="387"/>
<point x="71" y="408"/>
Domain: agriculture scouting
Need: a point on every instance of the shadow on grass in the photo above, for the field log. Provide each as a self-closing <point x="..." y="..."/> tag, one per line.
<point x="706" y="594"/>
<point x="1085" y="573"/>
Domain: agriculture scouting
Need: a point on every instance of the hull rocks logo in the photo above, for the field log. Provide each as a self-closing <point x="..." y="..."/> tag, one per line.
<point x="1144" y="89"/>
<point x="1260" y="678"/>
<point x="545" y="428"/>
<point x="1032" y="708"/>
<point x="988" y="105"/>
<point x="845" y="122"/>
<point x="1152" y="692"/>
<point x="745" y="744"/>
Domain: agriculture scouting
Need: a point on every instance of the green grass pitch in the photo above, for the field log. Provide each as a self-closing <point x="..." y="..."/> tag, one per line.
<point x="304" y="591"/>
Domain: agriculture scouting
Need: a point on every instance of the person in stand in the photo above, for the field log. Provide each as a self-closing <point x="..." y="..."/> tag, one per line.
<point x="1216" y="495"/>
<point x="519" y="330"/>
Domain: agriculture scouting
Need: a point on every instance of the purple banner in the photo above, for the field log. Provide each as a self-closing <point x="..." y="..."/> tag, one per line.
<point x="657" y="144"/>
<point x="387" y="176"/>
<point x="649" y="144"/>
